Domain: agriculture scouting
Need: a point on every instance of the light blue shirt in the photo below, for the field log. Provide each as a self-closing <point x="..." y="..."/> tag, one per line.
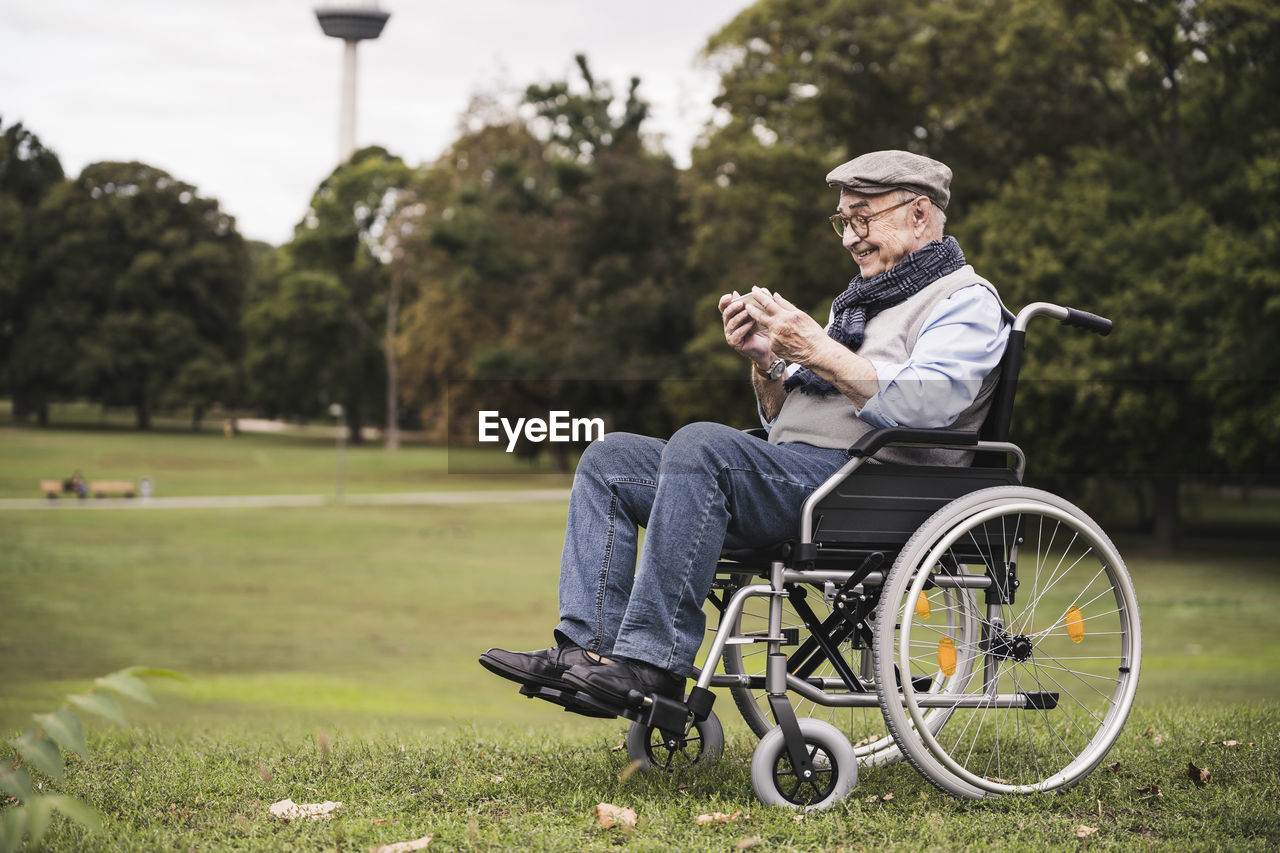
<point x="960" y="342"/>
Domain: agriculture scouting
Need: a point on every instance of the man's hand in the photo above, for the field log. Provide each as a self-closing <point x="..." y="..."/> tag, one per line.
<point x="792" y="334"/>
<point x="742" y="332"/>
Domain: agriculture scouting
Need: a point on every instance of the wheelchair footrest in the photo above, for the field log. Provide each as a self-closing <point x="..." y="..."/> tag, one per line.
<point x="571" y="700"/>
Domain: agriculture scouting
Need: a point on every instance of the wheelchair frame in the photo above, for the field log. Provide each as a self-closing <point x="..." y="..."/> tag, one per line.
<point x="872" y="542"/>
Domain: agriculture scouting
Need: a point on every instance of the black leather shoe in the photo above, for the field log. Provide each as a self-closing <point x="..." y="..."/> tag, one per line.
<point x="543" y="667"/>
<point x="611" y="683"/>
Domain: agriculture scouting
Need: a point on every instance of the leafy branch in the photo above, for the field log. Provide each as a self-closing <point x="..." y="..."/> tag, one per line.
<point x="40" y="749"/>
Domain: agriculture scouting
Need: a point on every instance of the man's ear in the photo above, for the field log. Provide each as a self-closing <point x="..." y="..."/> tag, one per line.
<point x="920" y="215"/>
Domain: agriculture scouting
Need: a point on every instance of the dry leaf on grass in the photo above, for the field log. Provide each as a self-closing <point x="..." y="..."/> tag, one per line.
<point x="1199" y="775"/>
<point x="289" y="810"/>
<point x="746" y="844"/>
<point x="630" y="770"/>
<point x="1083" y="831"/>
<point x="609" y="815"/>
<point x="1152" y="790"/>
<point x="403" y="846"/>
<point x="1225" y="743"/>
<point x="717" y="817"/>
<point x="1114" y="767"/>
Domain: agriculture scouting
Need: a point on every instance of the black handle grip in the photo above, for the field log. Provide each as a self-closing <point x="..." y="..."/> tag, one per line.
<point x="1085" y="320"/>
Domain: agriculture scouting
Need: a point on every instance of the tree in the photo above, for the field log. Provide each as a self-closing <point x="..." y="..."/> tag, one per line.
<point x="292" y="320"/>
<point x="28" y="171"/>
<point x="552" y="260"/>
<point x="142" y="291"/>
<point x="345" y="234"/>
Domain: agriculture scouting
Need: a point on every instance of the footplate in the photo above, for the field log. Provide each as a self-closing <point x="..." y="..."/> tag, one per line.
<point x="571" y="700"/>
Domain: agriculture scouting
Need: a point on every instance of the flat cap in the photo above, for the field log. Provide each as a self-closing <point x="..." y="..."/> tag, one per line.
<point x="885" y="171"/>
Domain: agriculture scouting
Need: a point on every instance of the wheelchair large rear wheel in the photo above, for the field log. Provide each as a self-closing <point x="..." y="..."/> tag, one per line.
<point x="1057" y="656"/>
<point x="864" y="727"/>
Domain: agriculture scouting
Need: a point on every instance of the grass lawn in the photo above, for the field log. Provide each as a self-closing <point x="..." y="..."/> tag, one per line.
<point x="331" y="656"/>
<point x="181" y="463"/>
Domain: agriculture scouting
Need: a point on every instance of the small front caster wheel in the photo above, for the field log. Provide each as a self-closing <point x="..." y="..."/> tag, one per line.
<point x="656" y="750"/>
<point x="834" y="768"/>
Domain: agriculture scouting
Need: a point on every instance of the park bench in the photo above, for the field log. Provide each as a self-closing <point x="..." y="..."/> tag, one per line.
<point x="102" y="488"/>
<point x="51" y="488"/>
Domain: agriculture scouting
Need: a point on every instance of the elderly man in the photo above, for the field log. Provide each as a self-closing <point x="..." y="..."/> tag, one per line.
<point x="913" y="341"/>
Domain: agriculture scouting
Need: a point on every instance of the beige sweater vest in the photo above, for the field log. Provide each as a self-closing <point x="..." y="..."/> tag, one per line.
<point x="832" y="421"/>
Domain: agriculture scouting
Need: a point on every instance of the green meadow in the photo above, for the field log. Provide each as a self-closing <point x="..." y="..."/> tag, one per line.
<point x="330" y="654"/>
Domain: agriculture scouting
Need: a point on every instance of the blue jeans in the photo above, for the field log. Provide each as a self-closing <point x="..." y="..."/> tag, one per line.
<point x="708" y="488"/>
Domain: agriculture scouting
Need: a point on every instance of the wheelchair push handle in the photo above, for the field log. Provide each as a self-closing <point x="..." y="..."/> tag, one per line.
<point x="1085" y="320"/>
<point x="1067" y="316"/>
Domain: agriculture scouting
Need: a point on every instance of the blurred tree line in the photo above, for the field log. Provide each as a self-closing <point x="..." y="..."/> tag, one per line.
<point x="1122" y="156"/>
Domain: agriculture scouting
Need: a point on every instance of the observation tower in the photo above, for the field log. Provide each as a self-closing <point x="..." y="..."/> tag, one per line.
<point x="353" y="21"/>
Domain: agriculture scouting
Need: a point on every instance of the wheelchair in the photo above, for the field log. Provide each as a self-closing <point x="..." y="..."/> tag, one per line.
<point x="985" y="631"/>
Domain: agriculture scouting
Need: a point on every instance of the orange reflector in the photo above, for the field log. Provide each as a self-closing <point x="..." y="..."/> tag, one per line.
<point x="922" y="606"/>
<point x="1075" y="624"/>
<point x="947" y="656"/>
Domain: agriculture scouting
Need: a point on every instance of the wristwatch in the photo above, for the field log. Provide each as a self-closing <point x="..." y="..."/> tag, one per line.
<point x="775" y="371"/>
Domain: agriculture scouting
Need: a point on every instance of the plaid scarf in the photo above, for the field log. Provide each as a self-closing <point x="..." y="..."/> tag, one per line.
<point x="865" y="298"/>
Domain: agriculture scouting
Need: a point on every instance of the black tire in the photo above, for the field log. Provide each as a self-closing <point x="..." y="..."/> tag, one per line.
<point x="702" y="744"/>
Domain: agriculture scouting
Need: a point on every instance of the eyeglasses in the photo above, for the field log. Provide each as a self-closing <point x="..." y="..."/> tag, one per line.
<point x="860" y="224"/>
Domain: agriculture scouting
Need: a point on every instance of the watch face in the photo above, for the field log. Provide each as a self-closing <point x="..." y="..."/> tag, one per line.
<point x="777" y="369"/>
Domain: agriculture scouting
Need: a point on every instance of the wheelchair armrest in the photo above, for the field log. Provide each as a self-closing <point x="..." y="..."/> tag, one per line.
<point x="876" y="439"/>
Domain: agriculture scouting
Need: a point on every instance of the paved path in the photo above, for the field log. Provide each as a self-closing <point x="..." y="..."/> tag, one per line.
<point x="256" y="501"/>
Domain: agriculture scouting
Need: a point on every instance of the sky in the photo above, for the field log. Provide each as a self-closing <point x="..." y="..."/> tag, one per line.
<point x="240" y="97"/>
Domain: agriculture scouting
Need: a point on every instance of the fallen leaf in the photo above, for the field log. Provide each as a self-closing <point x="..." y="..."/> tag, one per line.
<point x="1158" y="739"/>
<point x="996" y="779"/>
<point x="322" y="740"/>
<point x="867" y="741"/>
<point x="289" y="810"/>
<point x="1083" y="831"/>
<point x="746" y="844"/>
<point x="609" y="815"/>
<point x="630" y="770"/>
<point x="1199" y="775"/>
<point x="887" y="797"/>
<point x="874" y="798"/>
<point x="1114" y="767"/>
<point x="1231" y="743"/>
<point x="404" y="846"/>
<point x="717" y="817"/>
<point x="618" y="748"/>
<point x="1152" y="790"/>
<point x="1149" y="732"/>
<point x="497" y="778"/>
<point x="798" y="818"/>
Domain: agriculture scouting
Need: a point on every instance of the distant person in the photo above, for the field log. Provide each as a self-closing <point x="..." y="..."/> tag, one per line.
<point x="914" y="340"/>
<point x="78" y="485"/>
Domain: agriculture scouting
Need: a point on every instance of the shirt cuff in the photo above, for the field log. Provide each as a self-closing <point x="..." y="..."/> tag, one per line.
<point x="873" y="412"/>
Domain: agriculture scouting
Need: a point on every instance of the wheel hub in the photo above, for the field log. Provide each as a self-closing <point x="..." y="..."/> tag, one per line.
<point x="1017" y="647"/>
